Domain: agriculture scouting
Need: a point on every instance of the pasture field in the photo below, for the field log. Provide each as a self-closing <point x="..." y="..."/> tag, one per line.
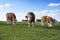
<point x="20" y="31"/>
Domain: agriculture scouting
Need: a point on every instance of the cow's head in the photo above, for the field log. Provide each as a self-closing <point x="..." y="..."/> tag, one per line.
<point x="26" y="17"/>
<point x="53" y="21"/>
<point x="14" y="21"/>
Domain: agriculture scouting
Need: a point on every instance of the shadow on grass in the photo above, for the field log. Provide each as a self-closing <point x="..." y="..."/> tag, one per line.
<point x="57" y="27"/>
<point x="5" y="24"/>
<point x="53" y="27"/>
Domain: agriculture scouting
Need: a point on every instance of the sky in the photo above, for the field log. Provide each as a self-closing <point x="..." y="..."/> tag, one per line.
<point x="22" y="7"/>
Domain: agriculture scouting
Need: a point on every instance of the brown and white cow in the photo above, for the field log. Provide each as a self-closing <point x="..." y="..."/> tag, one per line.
<point x="48" y="20"/>
<point x="11" y="18"/>
<point x="31" y="18"/>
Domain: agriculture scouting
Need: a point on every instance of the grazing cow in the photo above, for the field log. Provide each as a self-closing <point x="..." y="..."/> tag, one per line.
<point x="11" y="18"/>
<point x="31" y="18"/>
<point x="48" y="20"/>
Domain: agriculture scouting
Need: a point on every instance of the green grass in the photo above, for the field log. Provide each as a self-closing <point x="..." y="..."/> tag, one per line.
<point x="20" y="31"/>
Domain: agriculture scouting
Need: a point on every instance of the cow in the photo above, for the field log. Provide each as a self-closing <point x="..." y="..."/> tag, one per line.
<point x="31" y="18"/>
<point x="48" y="20"/>
<point x="11" y="17"/>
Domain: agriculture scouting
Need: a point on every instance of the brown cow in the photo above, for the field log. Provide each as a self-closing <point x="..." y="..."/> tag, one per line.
<point x="48" y="20"/>
<point x="11" y="18"/>
<point x="31" y="18"/>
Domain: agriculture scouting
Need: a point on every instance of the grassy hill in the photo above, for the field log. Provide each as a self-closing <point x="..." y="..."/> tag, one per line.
<point x="20" y="31"/>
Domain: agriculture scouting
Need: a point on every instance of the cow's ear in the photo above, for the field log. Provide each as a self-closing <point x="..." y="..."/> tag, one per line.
<point x="25" y="16"/>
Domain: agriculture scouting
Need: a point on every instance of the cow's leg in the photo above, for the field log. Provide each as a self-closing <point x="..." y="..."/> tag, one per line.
<point x="8" y="21"/>
<point x="29" y="19"/>
<point x="50" y="24"/>
<point x="32" y="24"/>
<point x="29" y="24"/>
<point x="42" y="23"/>
<point x="14" y="21"/>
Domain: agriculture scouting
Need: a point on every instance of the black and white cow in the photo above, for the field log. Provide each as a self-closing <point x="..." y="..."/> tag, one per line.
<point x="31" y="18"/>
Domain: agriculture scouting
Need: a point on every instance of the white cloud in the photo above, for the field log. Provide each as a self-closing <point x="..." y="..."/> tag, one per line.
<point x="44" y="11"/>
<point x="54" y="4"/>
<point x="2" y="7"/>
<point x="7" y="5"/>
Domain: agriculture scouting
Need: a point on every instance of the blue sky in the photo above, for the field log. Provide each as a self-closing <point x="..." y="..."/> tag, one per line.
<point x="22" y="7"/>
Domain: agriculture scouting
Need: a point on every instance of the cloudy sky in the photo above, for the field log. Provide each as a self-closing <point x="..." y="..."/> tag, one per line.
<point x="22" y="7"/>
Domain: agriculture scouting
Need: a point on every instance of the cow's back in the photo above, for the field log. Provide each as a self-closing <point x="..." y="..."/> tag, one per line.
<point x="45" y="19"/>
<point x="10" y="16"/>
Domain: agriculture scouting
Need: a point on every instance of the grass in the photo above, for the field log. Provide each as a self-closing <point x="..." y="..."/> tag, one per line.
<point x="20" y="31"/>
